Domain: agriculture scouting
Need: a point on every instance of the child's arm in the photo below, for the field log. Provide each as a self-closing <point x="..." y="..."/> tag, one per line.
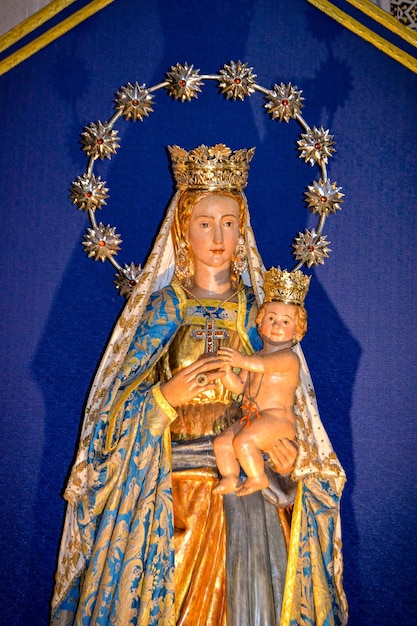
<point x="232" y="381"/>
<point x="234" y="358"/>
<point x="279" y="361"/>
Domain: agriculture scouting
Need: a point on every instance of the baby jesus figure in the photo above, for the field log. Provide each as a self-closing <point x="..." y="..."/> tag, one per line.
<point x="268" y="380"/>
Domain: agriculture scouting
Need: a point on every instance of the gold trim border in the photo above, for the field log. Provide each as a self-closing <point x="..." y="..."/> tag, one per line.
<point x="51" y="35"/>
<point x="368" y="35"/>
<point x="33" y="22"/>
<point x="385" y="19"/>
<point x="291" y="577"/>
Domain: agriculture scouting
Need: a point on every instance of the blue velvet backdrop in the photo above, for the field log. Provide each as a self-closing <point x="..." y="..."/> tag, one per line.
<point x="58" y="306"/>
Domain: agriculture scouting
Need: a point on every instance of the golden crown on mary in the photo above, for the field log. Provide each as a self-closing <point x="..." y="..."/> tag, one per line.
<point x="283" y="286"/>
<point x="211" y="167"/>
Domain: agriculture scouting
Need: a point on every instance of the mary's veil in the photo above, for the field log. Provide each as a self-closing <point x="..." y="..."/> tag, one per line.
<point x="156" y="274"/>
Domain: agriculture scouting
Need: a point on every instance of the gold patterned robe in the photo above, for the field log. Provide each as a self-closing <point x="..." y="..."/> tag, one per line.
<point x="149" y="535"/>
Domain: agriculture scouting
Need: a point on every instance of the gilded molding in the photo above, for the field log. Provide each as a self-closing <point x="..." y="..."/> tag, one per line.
<point x="368" y="35"/>
<point x="32" y="23"/>
<point x="49" y="36"/>
<point x="386" y="19"/>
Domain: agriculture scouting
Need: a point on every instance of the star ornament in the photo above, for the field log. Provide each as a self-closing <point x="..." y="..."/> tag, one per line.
<point x="134" y="102"/>
<point x="311" y="248"/>
<point x="183" y="82"/>
<point x="237" y="80"/>
<point x="101" y="243"/>
<point x="127" y="278"/>
<point x="324" y="197"/>
<point x="100" y="141"/>
<point x="88" y="192"/>
<point x="284" y="102"/>
<point x="316" y="145"/>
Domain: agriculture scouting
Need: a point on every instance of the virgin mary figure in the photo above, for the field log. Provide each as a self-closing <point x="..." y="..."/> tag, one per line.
<point x="145" y="541"/>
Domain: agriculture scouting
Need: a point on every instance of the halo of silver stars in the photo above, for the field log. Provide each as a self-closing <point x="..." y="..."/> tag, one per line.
<point x="236" y="81"/>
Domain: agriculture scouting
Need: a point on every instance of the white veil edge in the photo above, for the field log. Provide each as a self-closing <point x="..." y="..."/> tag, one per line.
<point x="157" y="273"/>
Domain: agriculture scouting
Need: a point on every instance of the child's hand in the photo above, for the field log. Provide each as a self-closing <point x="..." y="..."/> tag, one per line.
<point x="230" y="379"/>
<point x="231" y="357"/>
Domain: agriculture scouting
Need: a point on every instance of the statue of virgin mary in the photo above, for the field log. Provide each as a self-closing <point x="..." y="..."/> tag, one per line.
<point x="145" y="541"/>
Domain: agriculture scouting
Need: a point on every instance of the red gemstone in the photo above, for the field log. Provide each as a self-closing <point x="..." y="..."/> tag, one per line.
<point x="135" y="102"/>
<point x="237" y="81"/>
<point x="88" y="194"/>
<point x="285" y="102"/>
<point x="182" y="82"/>
<point x="101" y="243"/>
<point x="317" y="146"/>
<point x="132" y="282"/>
<point x="311" y="248"/>
<point x="100" y="141"/>
<point x="323" y="199"/>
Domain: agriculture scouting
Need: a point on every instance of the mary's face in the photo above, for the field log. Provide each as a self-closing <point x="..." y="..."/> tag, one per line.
<point x="213" y="231"/>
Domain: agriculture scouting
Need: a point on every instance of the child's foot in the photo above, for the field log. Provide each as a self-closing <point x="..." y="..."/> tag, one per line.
<point x="228" y="484"/>
<point x="256" y="483"/>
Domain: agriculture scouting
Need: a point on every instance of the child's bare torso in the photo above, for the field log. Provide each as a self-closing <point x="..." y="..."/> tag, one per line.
<point x="270" y="397"/>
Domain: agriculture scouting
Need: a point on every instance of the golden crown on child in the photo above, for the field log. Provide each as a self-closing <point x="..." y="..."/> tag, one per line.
<point x="283" y="286"/>
<point x="211" y="167"/>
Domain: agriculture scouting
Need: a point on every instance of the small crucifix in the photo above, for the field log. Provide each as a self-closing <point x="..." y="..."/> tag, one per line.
<point x="209" y="334"/>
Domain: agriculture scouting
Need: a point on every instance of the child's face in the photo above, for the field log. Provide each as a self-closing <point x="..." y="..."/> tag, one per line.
<point x="278" y="322"/>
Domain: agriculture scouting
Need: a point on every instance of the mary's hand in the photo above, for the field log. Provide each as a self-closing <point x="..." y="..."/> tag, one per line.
<point x="192" y="380"/>
<point x="283" y="455"/>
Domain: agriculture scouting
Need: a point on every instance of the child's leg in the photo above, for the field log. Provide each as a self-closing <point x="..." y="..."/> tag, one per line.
<point x="252" y="462"/>
<point x="251" y="440"/>
<point x="227" y="463"/>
